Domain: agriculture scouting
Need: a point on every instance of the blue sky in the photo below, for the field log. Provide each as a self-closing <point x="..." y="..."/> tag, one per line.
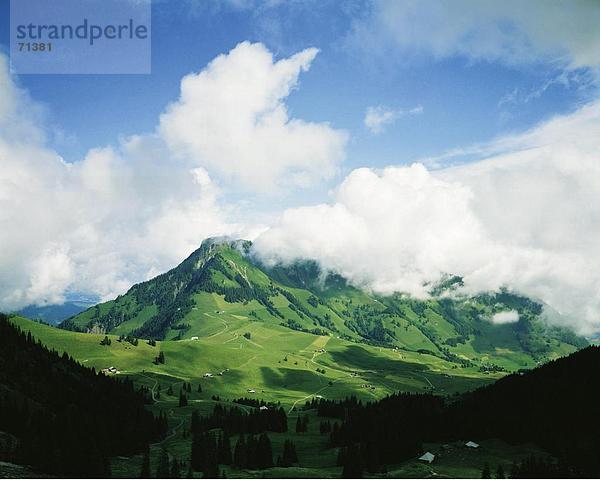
<point x="311" y="153"/>
<point x="461" y="97"/>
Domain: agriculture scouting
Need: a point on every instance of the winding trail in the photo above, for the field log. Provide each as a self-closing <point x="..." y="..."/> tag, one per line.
<point x="174" y="429"/>
<point x="170" y="413"/>
<point x="430" y="384"/>
<point x="226" y="326"/>
<point x="344" y="375"/>
<point x="235" y="337"/>
<point x="306" y="398"/>
<point x="153" y="389"/>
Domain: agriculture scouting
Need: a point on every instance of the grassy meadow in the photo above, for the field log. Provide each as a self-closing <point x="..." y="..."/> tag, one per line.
<point x="280" y="365"/>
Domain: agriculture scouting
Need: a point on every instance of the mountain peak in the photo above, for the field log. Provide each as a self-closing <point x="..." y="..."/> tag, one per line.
<point x="212" y="244"/>
<point x="222" y="278"/>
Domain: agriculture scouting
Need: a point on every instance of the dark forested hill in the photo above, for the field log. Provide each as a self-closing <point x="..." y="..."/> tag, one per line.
<point x="62" y="418"/>
<point x="554" y="406"/>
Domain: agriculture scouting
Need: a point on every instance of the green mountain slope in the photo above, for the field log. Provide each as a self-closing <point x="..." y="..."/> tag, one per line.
<point x="221" y="282"/>
<point x="263" y="361"/>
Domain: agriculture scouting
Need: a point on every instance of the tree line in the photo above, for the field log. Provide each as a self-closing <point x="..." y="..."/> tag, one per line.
<point x="237" y="420"/>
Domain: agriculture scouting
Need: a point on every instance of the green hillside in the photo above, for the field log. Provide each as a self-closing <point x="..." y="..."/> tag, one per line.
<point x="280" y="364"/>
<point x="221" y="284"/>
<point x="270" y="362"/>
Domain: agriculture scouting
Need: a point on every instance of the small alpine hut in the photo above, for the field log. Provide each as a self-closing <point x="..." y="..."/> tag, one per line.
<point x="471" y="444"/>
<point x="427" y="457"/>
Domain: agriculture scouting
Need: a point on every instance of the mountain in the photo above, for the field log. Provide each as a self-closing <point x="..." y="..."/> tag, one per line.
<point x="222" y="280"/>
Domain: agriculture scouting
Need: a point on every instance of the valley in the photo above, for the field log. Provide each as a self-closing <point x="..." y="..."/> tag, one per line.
<point x="260" y="364"/>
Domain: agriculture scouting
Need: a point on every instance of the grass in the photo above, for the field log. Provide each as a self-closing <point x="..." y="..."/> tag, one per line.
<point x="281" y="365"/>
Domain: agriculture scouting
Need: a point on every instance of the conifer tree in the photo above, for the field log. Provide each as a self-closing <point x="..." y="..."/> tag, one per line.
<point x="183" y="402"/>
<point x="486" y="473"/>
<point x="264" y="452"/>
<point x="289" y="456"/>
<point x="163" y="470"/>
<point x="305" y="424"/>
<point x="145" y="470"/>
<point x="239" y="453"/>
<point x="353" y="467"/>
<point x="341" y="457"/>
<point x="196" y="457"/>
<point x="175" y="468"/>
<point x="211" y="466"/>
<point x="251" y="452"/>
<point x="224" y="449"/>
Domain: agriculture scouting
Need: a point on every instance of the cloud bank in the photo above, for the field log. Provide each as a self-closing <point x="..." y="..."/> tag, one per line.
<point x="526" y="218"/>
<point x="563" y="33"/>
<point x="127" y="212"/>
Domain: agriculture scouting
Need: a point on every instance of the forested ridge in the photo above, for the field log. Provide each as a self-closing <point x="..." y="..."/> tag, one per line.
<point x="62" y="418"/>
<point x="553" y="406"/>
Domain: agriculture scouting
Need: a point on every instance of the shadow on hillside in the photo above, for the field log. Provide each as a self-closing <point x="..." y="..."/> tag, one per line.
<point x="354" y="357"/>
<point x="495" y="336"/>
<point x="293" y="379"/>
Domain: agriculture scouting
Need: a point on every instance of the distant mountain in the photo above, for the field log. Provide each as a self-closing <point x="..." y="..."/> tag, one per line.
<point x="301" y="297"/>
<point x="54" y="314"/>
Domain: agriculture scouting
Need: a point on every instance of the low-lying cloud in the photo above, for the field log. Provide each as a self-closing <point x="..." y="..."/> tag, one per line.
<point x="525" y="219"/>
<point x="501" y="318"/>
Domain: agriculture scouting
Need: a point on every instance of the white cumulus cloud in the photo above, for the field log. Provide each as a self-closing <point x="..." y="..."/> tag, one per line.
<point x="125" y="212"/>
<point x="100" y="224"/>
<point x="526" y="218"/>
<point x="232" y="119"/>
